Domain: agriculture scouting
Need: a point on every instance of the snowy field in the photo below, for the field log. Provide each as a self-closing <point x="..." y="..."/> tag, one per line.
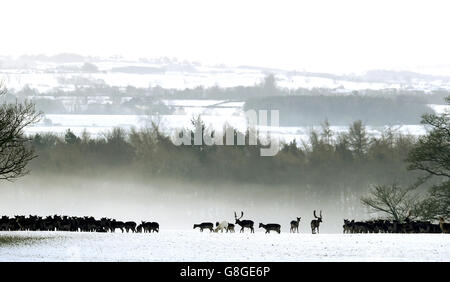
<point x="188" y="245"/>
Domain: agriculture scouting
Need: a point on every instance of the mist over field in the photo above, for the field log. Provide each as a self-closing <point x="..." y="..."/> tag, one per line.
<point x="174" y="204"/>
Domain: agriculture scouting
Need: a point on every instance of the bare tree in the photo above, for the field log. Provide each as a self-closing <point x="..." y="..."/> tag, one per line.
<point x="15" y="150"/>
<point x="398" y="203"/>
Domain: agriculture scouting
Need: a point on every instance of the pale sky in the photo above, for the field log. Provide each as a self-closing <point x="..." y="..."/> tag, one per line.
<point x="312" y="35"/>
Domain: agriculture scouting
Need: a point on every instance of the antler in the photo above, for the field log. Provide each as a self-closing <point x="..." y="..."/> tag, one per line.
<point x="320" y="214"/>
<point x="315" y="214"/>
<point x="235" y="215"/>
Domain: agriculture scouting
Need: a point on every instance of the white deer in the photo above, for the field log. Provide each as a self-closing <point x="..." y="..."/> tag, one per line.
<point x="221" y="226"/>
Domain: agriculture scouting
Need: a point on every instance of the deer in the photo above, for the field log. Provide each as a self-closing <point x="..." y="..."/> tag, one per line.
<point x="154" y="227"/>
<point x="347" y="226"/>
<point x="271" y="227"/>
<point x="205" y="225"/>
<point x="244" y="223"/>
<point x="221" y="226"/>
<point x="316" y="222"/>
<point x="130" y="226"/>
<point x="117" y="224"/>
<point x="230" y="228"/>
<point x="294" y="225"/>
<point x="445" y="227"/>
<point x="149" y="226"/>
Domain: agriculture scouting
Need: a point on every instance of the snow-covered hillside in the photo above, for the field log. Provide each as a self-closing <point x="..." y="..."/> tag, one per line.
<point x="67" y="71"/>
<point x="189" y="245"/>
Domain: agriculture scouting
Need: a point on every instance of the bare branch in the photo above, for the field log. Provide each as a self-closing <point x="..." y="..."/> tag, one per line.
<point x="15" y="150"/>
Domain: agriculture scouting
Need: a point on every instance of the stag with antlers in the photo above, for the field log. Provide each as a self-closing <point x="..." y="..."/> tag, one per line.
<point x="244" y="223"/>
<point x="316" y="222"/>
<point x="294" y="225"/>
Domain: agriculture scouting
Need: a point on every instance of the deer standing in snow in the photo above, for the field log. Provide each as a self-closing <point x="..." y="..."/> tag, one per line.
<point x="205" y="225"/>
<point x="294" y="225"/>
<point x="445" y="227"/>
<point x="315" y="223"/>
<point x="244" y="223"/>
<point x="221" y="226"/>
<point x="271" y="227"/>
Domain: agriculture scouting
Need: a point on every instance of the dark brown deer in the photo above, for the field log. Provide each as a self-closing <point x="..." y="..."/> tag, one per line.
<point x="149" y="227"/>
<point x="244" y="223"/>
<point x="271" y="227"/>
<point x="205" y="225"/>
<point x="445" y="227"/>
<point x="154" y="227"/>
<point x="130" y="226"/>
<point x="315" y="223"/>
<point x="294" y="225"/>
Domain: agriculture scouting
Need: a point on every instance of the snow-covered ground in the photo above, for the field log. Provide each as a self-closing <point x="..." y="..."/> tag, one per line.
<point x="189" y="245"/>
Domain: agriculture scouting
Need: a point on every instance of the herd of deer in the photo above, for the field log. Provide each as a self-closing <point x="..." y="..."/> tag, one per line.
<point x="386" y="226"/>
<point x="90" y="224"/>
<point x="73" y="223"/>
<point x="229" y="227"/>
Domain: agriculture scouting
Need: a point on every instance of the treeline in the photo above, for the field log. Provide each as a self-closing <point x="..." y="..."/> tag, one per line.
<point x="303" y="110"/>
<point x="328" y="163"/>
<point x="267" y="87"/>
<point x="95" y="99"/>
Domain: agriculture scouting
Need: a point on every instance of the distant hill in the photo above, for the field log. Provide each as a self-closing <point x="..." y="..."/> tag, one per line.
<point x="194" y="74"/>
